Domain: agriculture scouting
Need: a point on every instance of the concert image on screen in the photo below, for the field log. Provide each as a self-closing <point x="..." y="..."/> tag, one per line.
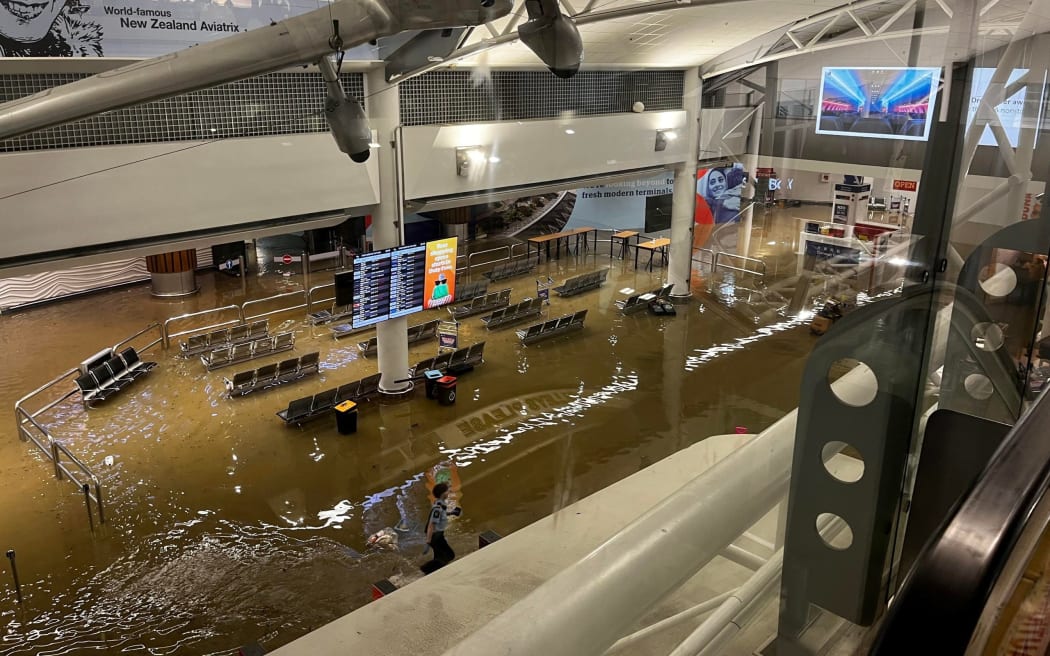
<point x="883" y="103"/>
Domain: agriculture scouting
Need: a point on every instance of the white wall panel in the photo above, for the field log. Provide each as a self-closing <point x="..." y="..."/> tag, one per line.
<point x="531" y="152"/>
<point x="53" y="200"/>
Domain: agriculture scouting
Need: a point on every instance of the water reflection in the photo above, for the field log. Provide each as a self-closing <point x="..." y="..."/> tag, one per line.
<point x="226" y="526"/>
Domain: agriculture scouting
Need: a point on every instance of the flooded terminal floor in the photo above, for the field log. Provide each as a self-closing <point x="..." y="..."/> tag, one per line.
<point x="225" y="527"/>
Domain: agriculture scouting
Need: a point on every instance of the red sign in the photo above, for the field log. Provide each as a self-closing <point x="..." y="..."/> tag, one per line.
<point x="287" y="259"/>
<point x="763" y="172"/>
<point x="905" y="185"/>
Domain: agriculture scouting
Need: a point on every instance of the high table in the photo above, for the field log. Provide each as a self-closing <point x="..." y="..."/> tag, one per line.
<point x="545" y="240"/>
<point x="652" y="246"/>
<point x="624" y="236"/>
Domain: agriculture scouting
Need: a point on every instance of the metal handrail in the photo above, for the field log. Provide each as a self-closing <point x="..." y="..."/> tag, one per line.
<point x="53" y="448"/>
<point x="166" y="336"/>
<point x="700" y="259"/>
<point x="244" y="306"/>
<point x="718" y="264"/>
<point x="310" y="293"/>
<point x="116" y="347"/>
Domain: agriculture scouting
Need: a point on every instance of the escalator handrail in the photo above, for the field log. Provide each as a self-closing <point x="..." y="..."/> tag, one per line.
<point x="944" y="594"/>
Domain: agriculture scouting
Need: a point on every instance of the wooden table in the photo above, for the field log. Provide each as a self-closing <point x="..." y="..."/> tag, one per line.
<point x="652" y="246"/>
<point x="625" y="240"/>
<point x="556" y="237"/>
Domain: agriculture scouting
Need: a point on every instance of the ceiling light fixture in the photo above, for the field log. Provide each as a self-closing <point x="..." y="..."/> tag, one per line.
<point x="662" y="139"/>
<point x="468" y="157"/>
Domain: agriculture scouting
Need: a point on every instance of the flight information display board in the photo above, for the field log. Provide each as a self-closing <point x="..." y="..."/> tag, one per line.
<point x="407" y="274"/>
<point x="399" y="281"/>
<point x="371" y="288"/>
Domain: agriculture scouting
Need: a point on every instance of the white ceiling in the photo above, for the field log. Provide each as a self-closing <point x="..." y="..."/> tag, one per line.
<point x="696" y="35"/>
<point x="672" y="39"/>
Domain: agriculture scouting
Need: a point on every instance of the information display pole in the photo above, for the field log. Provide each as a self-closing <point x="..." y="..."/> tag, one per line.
<point x="448" y="336"/>
<point x="391" y="335"/>
<point x="543" y="290"/>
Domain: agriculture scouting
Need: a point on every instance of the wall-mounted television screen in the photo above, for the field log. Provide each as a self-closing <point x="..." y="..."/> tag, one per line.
<point x="883" y="103"/>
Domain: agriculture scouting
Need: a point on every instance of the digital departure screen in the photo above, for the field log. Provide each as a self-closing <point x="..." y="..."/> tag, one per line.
<point x="407" y="273"/>
<point x="399" y="281"/>
<point x="371" y="288"/>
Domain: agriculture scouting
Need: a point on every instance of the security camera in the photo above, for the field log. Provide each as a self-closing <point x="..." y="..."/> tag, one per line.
<point x="345" y="116"/>
<point x="553" y="37"/>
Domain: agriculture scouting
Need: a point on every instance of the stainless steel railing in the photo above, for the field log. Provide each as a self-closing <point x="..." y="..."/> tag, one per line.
<point x="31" y="430"/>
<point x="167" y="336"/>
<point x="755" y="272"/>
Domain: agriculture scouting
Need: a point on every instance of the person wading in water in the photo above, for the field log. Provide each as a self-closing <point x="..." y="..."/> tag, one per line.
<point x="436" y="525"/>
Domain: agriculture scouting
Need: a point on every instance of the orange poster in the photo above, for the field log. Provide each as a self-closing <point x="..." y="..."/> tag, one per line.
<point x="440" y="281"/>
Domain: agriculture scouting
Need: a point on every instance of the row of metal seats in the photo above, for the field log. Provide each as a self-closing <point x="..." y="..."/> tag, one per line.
<point x="482" y="304"/>
<point x="911" y="127"/>
<point x="639" y="302"/>
<point x="303" y="410"/>
<point x="530" y="307"/>
<point x="510" y="269"/>
<point x="468" y="291"/>
<point x="583" y="283"/>
<point x="114" y="374"/>
<point x="269" y="375"/>
<point x="418" y="333"/>
<point x="553" y="327"/>
<point x="462" y="359"/>
<point x="325" y="316"/>
<point x="243" y="352"/>
<point x="225" y="337"/>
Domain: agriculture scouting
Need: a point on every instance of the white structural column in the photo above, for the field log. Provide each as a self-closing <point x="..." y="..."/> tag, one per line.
<point x="683" y="204"/>
<point x="754" y="139"/>
<point x="384" y="114"/>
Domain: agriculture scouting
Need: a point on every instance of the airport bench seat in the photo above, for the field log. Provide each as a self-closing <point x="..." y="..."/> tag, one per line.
<point x="529" y="307"/>
<point x="552" y="328"/>
<point x="467" y="291"/>
<point x="245" y="351"/>
<point x="510" y="270"/>
<point x="582" y="283"/>
<point x="308" y="408"/>
<point x="417" y="333"/>
<point x="104" y="380"/>
<point x="272" y="375"/>
<point x="481" y="304"/>
<point x="639" y="302"/>
<point x="462" y="359"/>
<point x="225" y="338"/>
<point x="336" y="313"/>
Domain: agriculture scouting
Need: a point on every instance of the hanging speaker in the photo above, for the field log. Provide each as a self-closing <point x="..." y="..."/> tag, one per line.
<point x="344" y="288"/>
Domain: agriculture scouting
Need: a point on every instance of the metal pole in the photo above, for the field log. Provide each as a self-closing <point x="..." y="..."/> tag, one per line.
<point x="306" y="279"/>
<point x="87" y="504"/>
<point x="674" y="620"/>
<point x="54" y="456"/>
<point x="244" y="275"/>
<point x="14" y="573"/>
<point x="98" y="498"/>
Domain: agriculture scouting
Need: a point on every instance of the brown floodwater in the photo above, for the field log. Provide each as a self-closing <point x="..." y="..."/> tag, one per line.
<point x="226" y="527"/>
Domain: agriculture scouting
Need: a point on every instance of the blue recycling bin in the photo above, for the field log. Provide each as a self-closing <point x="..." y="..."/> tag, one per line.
<point x="431" y="376"/>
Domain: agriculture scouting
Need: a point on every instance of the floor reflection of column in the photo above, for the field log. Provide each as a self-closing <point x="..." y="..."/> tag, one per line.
<point x="676" y="334"/>
<point x="395" y="445"/>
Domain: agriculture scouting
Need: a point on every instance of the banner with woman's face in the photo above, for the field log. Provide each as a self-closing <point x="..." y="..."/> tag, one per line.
<point x="718" y="203"/>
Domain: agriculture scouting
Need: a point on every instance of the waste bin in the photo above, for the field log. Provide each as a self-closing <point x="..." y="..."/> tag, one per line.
<point x="432" y="376"/>
<point x="346" y="418"/>
<point x="445" y="389"/>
